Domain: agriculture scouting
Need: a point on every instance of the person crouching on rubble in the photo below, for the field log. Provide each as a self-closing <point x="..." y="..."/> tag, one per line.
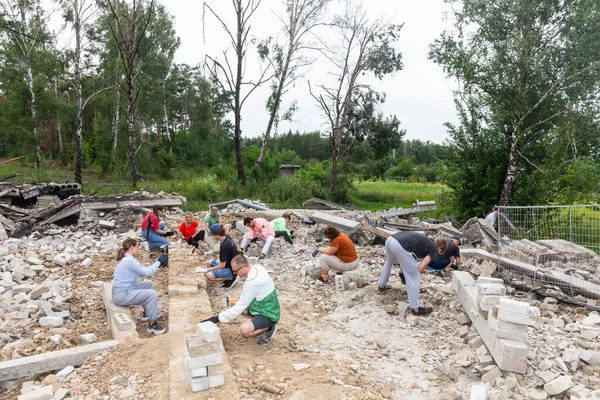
<point x="191" y="231"/>
<point x="448" y="256"/>
<point x="258" y="299"/>
<point x="340" y="255"/>
<point x="154" y="231"/>
<point x="258" y="229"/>
<point x="281" y="229"/>
<point x="405" y="248"/>
<point x="127" y="290"/>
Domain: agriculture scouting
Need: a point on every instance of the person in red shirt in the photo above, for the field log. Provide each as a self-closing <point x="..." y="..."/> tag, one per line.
<point x="190" y="231"/>
<point x="153" y="230"/>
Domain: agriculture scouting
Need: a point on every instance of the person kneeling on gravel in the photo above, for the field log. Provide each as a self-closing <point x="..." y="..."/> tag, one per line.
<point x="220" y="271"/>
<point x="127" y="290"/>
<point x="258" y="299"/>
<point x="405" y="248"/>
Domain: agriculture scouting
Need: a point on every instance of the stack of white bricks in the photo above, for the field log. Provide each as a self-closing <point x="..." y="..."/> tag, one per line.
<point x="205" y="358"/>
<point x="501" y="322"/>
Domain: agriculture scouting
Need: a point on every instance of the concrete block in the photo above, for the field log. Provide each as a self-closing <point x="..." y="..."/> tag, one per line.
<point x="536" y="394"/>
<point x="106" y="224"/>
<point x="122" y="321"/>
<point x="491" y="289"/>
<point x="509" y="326"/>
<point x="509" y="316"/>
<point x="571" y="357"/>
<point x="86" y="263"/>
<point x="64" y="373"/>
<point x="38" y="291"/>
<point x="197" y="347"/>
<point x="216" y="380"/>
<point x="53" y="321"/>
<point x="88" y="337"/>
<point x="514" y="306"/>
<point x="51" y="361"/>
<point x="42" y="393"/>
<point x="510" y="335"/>
<point x="201" y="372"/>
<point x="483" y="280"/>
<point x="590" y="357"/>
<point x="209" y="332"/>
<point x="216" y="369"/>
<point x="479" y="392"/>
<point x="339" y="283"/>
<point x="488" y="299"/>
<point x="204" y="361"/>
<point x="34" y="261"/>
<point x="60" y="259"/>
<point x="463" y="319"/>
<point x="511" y="355"/>
<point x="197" y="384"/>
<point x="558" y="385"/>
<point x="343" y="224"/>
<point x="491" y="375"/>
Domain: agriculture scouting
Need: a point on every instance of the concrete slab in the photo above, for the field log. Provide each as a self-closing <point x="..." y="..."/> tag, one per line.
<point x="52" y="361"/>
<point x="540" y="274"/>
<point x="342" y="224"/>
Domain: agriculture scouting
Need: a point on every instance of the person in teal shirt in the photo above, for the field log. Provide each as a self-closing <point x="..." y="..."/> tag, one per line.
<point x="280" y="228"/>
<point x="214" y="217"/>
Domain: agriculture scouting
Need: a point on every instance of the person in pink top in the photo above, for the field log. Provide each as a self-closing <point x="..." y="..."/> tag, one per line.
<point x="258" y="229"/>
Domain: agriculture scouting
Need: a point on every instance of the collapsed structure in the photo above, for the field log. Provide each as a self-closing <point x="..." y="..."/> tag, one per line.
<point x="502" y="346"/>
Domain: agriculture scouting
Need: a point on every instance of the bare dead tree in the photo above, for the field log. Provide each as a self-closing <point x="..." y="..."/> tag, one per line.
<point x="301" y="17"/>
<point x="231" y="79"/>
<point x="364" y="46"/>
<point x="131" y="23"/>
<point x="25" y="27"/>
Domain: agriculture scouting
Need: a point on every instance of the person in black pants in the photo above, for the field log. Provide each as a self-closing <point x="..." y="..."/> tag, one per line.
<point x="190" y="231"/>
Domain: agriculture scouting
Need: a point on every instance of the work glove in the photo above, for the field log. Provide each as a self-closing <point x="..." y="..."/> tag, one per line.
<point x="291" y="234"/>
<point x="208" y="254"/>
<point x="164" y="260"/>
<point x="201" y="270"/>
<point x="214" y="319"/>
<point x="170" y="233"/>
<point x="254" y="240"/>
<point x="315" y="252"/>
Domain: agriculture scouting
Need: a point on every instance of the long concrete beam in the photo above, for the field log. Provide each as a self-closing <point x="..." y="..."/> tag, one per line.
<point x="52" y="361"/>
<point x="342" y="224"/>
<point x="539" y="273"/>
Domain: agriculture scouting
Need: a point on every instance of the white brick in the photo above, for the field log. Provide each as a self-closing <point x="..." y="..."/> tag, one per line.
<point x="65" y="372"/>
<point x="514" y="306"/>
<point x="201" y="372"/>
<point x="210" y="359"/>
<point x="492" y="289"/>
<point x="491" y="375"/>
<point x="482" y="280"/>
<point x="53" y="321"/>
<point x="43" y="393"/>
<point x="509" y="335"/>
<point x="509" y="326"/>
<point x="86" y="263"/>
<point x="198" y="347"/>
<point x="216" y="369"/>
<point x="197" y="384"/>
<point x="479" y="392"/>
<point x="88" y="337"/>
<point x="489" y="299"/>
<point x="209" y="332"/>
<point x="509" y="316"/>
<point x="571" y="357"/>
<point x="511" y="355"/>
<point x="217" y="380"/>
<point x="558" y="385"/>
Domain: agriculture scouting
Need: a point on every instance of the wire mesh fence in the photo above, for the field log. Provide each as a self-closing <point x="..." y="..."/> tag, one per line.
<point x="555" y="245"/>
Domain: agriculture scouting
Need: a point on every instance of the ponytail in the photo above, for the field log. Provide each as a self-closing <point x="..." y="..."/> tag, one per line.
<point x="127" y="243"/>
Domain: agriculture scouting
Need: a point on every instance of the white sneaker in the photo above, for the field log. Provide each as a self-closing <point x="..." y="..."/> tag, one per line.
<point x="145" y="316"/>
<point x="146" y="246"/>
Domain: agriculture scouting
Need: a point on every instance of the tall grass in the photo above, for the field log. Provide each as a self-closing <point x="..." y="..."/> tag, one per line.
<point x="382" y="195"/>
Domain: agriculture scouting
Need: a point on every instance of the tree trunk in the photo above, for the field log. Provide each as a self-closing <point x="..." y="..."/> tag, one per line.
<point x="275" y="110"/>
<point x="131" y="130"/>
<point x="78" y="94"/>
<point x="34" y="121"/>
<point x="511" y="171"/>
<point x="115" y="122"/>
<point x="59" y="142"/>
<point x="238" y="106"/>
<point x="335" y="157"/>
<point x="167" y="127"/>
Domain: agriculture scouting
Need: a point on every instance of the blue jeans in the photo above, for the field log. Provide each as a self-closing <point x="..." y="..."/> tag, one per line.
<point x="154" y="239"/>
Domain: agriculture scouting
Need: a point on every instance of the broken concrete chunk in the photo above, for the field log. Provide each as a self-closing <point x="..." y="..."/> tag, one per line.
<point x="86" y="263"/>
<point x="558" y="385"/>
<point x="463" y="319"/>
<point x="53" y="321"/>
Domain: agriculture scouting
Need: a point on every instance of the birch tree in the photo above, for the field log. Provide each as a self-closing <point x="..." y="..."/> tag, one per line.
<point x="300" y="18"/>
<point x="363" y="47"/>
<point x="26" y="29"/>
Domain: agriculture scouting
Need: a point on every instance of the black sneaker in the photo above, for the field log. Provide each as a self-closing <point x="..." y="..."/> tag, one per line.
<point x="156" y="329"/>
<point x="421" y="311"/>
<point x="339" y="273"/>
<point x="402" y="278"/>
<point x="268" y="336"/>
<point x="230" y="283"/>
<point x="382" y="290"/>
<point x="315" y="252"/>
<point x="324" y="282"/>
<point x="145" y="316"/>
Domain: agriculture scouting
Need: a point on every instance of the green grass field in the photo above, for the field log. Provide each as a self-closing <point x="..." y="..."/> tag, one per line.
<point x="381" y="195"/>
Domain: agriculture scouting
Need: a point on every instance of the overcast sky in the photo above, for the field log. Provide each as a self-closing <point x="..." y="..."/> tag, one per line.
<point x="419" y="95"/>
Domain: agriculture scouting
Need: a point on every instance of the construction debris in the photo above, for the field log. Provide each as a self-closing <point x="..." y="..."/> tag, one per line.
<point x="319" y="204"/>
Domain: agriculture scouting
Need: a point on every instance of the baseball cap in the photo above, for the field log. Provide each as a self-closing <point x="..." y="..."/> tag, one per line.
<point x="214" y="228"/>
<point x="457" y="238"/>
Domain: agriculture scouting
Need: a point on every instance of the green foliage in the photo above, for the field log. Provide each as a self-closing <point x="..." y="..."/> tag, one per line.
<point x="404" y="169"/>
<point x="380" y="195"/>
